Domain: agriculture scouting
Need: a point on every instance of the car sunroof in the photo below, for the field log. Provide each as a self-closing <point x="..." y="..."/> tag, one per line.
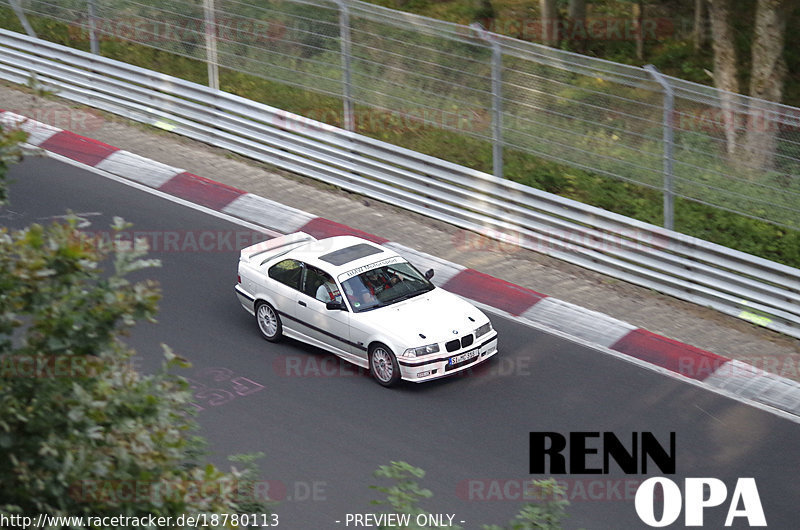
<point x="346" y="255"/>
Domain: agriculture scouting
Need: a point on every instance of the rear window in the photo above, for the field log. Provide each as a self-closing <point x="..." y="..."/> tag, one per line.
<point x="287" y="272"/>
<point x="346" y="255"/>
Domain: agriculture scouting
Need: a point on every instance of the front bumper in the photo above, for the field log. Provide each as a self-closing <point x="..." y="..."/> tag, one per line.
<point x="435" y="366"/>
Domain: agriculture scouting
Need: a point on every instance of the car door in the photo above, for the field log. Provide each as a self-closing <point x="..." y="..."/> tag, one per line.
<point x="331" y="327"/>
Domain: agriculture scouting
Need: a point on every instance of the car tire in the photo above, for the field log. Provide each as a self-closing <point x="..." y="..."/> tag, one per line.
<point x="269" y="322"/>
<point x="383" y="365"/>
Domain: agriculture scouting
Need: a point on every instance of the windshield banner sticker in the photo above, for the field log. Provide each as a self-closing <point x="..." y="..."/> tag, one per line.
<point x="355" y="272"/>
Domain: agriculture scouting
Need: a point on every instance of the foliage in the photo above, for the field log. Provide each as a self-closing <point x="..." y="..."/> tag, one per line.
<point x="546" y="514"/>
<point x="403" y="496"/>
<point x="81" y="431"/>
<point x="678" y="58"/>
<point x="39" y="90"/>
<point x="10" y="152"/>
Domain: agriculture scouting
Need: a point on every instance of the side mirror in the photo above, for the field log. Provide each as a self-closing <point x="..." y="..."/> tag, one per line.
<point x="429" y="274"/>
<point x="334" y="305"/>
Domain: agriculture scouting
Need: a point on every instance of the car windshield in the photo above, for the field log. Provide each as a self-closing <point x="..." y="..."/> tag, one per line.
<point x="385" y="285"/>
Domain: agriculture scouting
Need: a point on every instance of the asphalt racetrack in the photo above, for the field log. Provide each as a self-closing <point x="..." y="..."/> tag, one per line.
<point x="325" y="427"/>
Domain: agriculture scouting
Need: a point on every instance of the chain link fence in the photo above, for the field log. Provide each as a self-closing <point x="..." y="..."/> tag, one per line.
<point x="683" y="139"/>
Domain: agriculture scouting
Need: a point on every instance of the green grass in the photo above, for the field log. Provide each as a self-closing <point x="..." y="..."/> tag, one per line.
<point x="626" y="198"/>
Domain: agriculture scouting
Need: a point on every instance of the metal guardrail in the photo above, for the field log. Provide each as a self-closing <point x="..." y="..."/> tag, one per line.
<point x="730" y="281"/>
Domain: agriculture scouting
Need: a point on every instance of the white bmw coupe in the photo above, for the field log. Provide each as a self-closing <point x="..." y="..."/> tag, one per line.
<point x="364" y="303"/>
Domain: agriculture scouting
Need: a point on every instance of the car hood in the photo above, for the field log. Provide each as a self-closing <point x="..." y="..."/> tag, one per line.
<point x="436" y="315"/>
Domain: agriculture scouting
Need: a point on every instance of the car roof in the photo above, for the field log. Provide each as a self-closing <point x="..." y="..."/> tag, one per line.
<point x="340" y="254"/>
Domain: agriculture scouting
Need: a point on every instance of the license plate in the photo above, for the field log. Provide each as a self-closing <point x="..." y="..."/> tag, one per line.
<point x="463" y="357"/>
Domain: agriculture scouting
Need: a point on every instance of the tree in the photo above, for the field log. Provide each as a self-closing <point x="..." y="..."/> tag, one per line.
<point x="576" y="16"/>
<point x="767" y="75"/>
<point x="551" y="35"/>
<point x="577" y="9"/>
<point x="725" y="64"/>
<point x="81" y="432"/>
<point x="699" y="28"/>
<point x="545" y="514"/>
<point x="9" y="154"/>
<point x="404" y="495"/>
<point x="577" y="21"/>
<point x="638" y="23"/>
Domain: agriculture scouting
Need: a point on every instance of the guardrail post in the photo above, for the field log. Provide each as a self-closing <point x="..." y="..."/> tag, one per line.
<point x="344" y="41"/>
<point x="93" y="44"/>
<point x="22" y="18"/>
<point x="669" y="106"/>
<point x="497" y="98"/>
<point x="211" y="44"/>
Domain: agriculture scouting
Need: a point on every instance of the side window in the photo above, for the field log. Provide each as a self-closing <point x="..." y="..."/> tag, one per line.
<point x="320" y="285"/>
<point x="287" y="272"/>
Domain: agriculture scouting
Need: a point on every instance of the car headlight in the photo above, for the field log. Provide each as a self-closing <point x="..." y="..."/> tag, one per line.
<point x="422" y="350"/>
<point x="483" y="330"/>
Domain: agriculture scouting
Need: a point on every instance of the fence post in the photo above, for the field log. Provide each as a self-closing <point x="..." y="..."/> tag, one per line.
<point x="22" y="18"/>
<point x="497" y="109"/>
<point x="497" y="98"/>
<point x="211" y="44"/>
<point x="93" y="44"/>
<point x="669" y="105"/>
<point x="344" y="40"/>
